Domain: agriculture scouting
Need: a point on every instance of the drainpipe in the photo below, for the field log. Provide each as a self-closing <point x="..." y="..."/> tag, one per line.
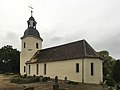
<point x="82" y="70"/>
<point x="85" y="54"/>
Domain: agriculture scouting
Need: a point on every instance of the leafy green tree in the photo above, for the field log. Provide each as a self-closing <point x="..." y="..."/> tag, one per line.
<point x="108" y="64"/>
<point x="116" y="71"/>
<point x="9" y="59"/>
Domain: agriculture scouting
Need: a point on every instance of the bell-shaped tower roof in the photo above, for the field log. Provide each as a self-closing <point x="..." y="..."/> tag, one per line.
<point x="31" y="30"/>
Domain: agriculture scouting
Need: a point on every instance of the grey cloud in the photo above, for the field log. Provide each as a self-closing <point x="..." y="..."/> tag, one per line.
<point x="10" y="38"/>
<point x="112" y="44"/>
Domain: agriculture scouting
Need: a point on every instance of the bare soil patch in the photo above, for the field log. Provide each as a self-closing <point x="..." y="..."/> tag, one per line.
<point x="5" y="82"/>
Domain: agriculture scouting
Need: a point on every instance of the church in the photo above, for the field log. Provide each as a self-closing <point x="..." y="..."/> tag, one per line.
<point x="76" y="61"/>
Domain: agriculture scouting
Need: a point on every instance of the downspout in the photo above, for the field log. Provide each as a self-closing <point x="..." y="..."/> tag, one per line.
<point x="85" y="54"/>
<point x="26" y="68"/>
<point x="82" y="70"/>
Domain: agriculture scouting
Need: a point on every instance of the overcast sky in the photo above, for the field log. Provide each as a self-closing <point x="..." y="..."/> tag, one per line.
<point x="63" y="21"/>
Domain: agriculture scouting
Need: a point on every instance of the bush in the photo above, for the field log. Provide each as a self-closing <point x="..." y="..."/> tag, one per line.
<point x="72" y="82"/>
<point x="34" y="75"/>
<point x="45" y="79"/>
<point x="109" y="81"/>
<point x="25" y="75"/>
<point x="7" y="73"/>
<point x="29" y="79"/>
<point x="37" y="79"/>
<point x="1" y="72"/>
<point x="63" y="89"/>
<point x="15" y="80"/>
<point x="21" y="80"/>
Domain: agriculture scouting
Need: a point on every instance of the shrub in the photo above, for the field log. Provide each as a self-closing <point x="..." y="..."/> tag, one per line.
<point x="25" y="75"/>
<point x="7" y="73"/>
<point x="48" y="78"/>
<point x="1" y="72"/>
<point x="34" y="75"/>
<point x="15" y="80"/>
<point x="28" y="79"/>
<point x="44" y="79"/>
<point x="72" y="82"/>
<point x="23" y="80"/>
<point x="110" y="82"/>
<point x="63" y="89"/>
<point x="37" y="79"/>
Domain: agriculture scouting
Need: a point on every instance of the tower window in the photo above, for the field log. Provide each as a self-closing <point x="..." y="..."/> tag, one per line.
<point x="45" y="69"/>
<point x="92" y="69"/>
<point x="24" y="45"/>
<point x="37" y="69"/>
<point x="77" y="67"/>
<point x="37" y="45"/>
<point x="29" y="69"/>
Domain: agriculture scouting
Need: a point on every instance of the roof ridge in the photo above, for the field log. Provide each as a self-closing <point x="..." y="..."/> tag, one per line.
<point x="92" y="49"/>
<point x="63" y="44"/>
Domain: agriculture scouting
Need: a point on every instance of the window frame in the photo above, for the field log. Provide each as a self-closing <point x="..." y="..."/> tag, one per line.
<point x="24" y="69"/>
<point x="29" y="69"/>
<point x="24" y="45"/>
<point x="45" y="65"/>
<point x="37" y="45"/>
<point x="77" y="68"/>
<point x="92" y="69"/>
<point x="37" y="69"/>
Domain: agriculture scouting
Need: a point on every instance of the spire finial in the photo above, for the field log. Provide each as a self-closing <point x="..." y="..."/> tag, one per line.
<point x="31" y="10"/>
<point x="31" y="13"/>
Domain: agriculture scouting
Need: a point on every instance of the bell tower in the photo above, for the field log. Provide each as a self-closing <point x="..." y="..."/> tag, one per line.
<point x="30" y="43"/>
<point x="31" y="22"/>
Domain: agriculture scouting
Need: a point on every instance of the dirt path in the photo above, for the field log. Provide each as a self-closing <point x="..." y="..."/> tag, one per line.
<point x="5" y="82"/>
<point x="6" y="85"/>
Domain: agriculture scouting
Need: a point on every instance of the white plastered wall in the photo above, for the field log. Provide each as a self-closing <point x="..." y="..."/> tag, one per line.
<point x="97" y="76"/>
<point x="67" y="68"/>
<point x="62" y="69"/>
<point x="27" y="52"/>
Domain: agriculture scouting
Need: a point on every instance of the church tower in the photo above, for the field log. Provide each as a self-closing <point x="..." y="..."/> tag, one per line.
<point x="30" y="43"/>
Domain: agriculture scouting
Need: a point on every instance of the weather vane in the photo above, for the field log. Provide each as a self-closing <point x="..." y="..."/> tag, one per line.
<point x="31" y="9"/>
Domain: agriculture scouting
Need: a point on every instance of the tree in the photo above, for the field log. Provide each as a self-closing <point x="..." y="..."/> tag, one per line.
<point x="108" y="64"/>
<point x="116" y="71"/>
<point x="9" y="59"/>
